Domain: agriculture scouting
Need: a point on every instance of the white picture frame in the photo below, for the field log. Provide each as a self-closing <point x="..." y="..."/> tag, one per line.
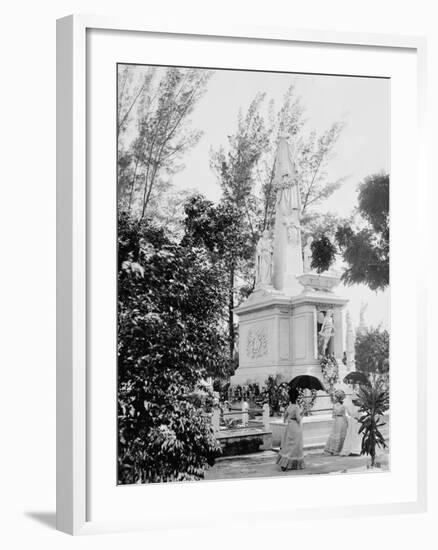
<point x="73" y="396"/>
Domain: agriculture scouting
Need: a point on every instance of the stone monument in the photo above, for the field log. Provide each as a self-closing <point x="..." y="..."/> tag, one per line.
<point x="293" y="318"/>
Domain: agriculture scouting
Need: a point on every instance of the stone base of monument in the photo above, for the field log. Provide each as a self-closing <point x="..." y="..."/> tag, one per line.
<point x="279" y="334"/>
<point x="316" y="430"/>
<point x="243" y="441"/>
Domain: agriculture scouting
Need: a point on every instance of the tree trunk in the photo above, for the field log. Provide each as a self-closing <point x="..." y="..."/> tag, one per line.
<point x="230" y="313"/>
<point x="132" y="185"/>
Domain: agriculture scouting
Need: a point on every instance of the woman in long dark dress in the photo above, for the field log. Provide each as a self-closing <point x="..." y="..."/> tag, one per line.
<point x="291" y="456"/>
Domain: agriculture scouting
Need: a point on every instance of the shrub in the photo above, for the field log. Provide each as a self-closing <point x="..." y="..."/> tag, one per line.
<point x="276" y="394"/>
<point x="170" y="306"/>
<point x="373" y="402"/>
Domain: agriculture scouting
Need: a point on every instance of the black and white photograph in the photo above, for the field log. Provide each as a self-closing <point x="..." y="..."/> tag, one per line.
<point x="253" y="295"/>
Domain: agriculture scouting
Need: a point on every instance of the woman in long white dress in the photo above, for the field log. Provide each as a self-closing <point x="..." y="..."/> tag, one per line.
<point x="338" y="433"/>
<point x="353" y="439"/>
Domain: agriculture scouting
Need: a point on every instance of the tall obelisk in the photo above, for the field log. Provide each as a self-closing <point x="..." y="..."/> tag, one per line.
<point x="288" y="258"/>
<point x="278" y="323"/>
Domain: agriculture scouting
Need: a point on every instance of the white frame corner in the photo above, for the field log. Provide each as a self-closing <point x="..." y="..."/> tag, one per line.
<point x="71" y="406"/>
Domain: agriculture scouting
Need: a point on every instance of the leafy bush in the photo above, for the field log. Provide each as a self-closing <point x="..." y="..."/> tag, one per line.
<point x="372" y="351"/>
<point x="276" y="394"/>
<point x="373" y="402"/>
<point x="169" y="340"/>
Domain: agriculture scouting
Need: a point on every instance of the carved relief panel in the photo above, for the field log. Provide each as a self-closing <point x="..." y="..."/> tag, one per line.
<point x="257" y="342"/>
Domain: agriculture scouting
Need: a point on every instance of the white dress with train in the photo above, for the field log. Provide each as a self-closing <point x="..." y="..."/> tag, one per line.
<point x="353" y="440"/>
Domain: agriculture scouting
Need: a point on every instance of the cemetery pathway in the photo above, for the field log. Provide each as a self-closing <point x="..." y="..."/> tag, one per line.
<point x="263" y="465"/>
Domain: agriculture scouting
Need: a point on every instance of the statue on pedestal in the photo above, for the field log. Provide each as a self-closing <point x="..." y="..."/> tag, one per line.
<point x="326" y="332"/>
<point x="307" y="253"/>
<point x="263" y="262"/>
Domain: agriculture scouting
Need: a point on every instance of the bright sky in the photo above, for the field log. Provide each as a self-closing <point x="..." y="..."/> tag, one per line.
<point x="363" y="148"/>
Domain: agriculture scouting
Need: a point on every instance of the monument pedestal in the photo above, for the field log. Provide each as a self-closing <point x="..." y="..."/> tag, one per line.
<point x="278" y="333"/>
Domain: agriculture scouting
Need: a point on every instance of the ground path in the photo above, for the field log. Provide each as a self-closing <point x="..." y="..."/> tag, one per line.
<point x="263" y="465"/>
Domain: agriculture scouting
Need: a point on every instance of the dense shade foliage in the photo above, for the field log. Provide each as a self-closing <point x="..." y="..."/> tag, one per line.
<point x="366" y="249"/>
<point x="169" y="340"/>
<point x="221" y="230"/>
<point x="323" y="254"/>
<point x="362" y="241"/>
<point x="372" y="351"/>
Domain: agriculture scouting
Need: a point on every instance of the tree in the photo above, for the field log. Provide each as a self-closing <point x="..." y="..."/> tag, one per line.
<point x="151" y="151"/>
<point x="323" y="254"/>
<point x="373" y="402"/>
<point x="229" y="242"/>
<point x="313" y="155"/>
<point x="238" y="214"/>
<point x="365" y="250"/>
<point x="133" y="83"/>
<point x="372" y="351"/>
<point x="170" y="303"/>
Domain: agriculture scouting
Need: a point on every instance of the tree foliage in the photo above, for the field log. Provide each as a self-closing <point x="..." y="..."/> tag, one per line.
<point x="313" y="155"/>
<point x="230" y="244"/>
<point x="365" y="250"/>
<point x="372" y="351"/>
<point x="323" y="254"/>
<point x="362" y="240"/>
<point x="170" y="303"/>
<point x="151" y="150"/>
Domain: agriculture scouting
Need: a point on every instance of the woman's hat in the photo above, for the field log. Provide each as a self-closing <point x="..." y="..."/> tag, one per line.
<point x="340" y="395"/>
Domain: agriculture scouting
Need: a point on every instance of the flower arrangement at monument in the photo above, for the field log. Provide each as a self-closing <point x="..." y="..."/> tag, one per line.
<point x="330" y="371"/>
<point x="306" y="402"/>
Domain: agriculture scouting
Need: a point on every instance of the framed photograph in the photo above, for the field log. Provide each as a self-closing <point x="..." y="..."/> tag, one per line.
<point x="241" y="221"/>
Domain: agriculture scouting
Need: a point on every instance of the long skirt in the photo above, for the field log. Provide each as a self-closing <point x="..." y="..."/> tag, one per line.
<point x="353" y="440"/>
<point x="291" y="456"/>
<point x="337" y="436"/>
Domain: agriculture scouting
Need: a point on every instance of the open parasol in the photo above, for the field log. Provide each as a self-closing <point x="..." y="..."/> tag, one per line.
<point x="357" y="377"/>
<point x="306" y="382"/>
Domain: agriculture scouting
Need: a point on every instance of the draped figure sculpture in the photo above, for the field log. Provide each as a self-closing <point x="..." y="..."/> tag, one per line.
<point x="263" y="263"/>
<point x="307" y="255"/>
<point x="326" y="332"/>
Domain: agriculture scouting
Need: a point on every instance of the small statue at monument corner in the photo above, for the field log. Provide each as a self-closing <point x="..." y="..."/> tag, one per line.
<point x="307" y="255"/>
<point x="263" y="263"/>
